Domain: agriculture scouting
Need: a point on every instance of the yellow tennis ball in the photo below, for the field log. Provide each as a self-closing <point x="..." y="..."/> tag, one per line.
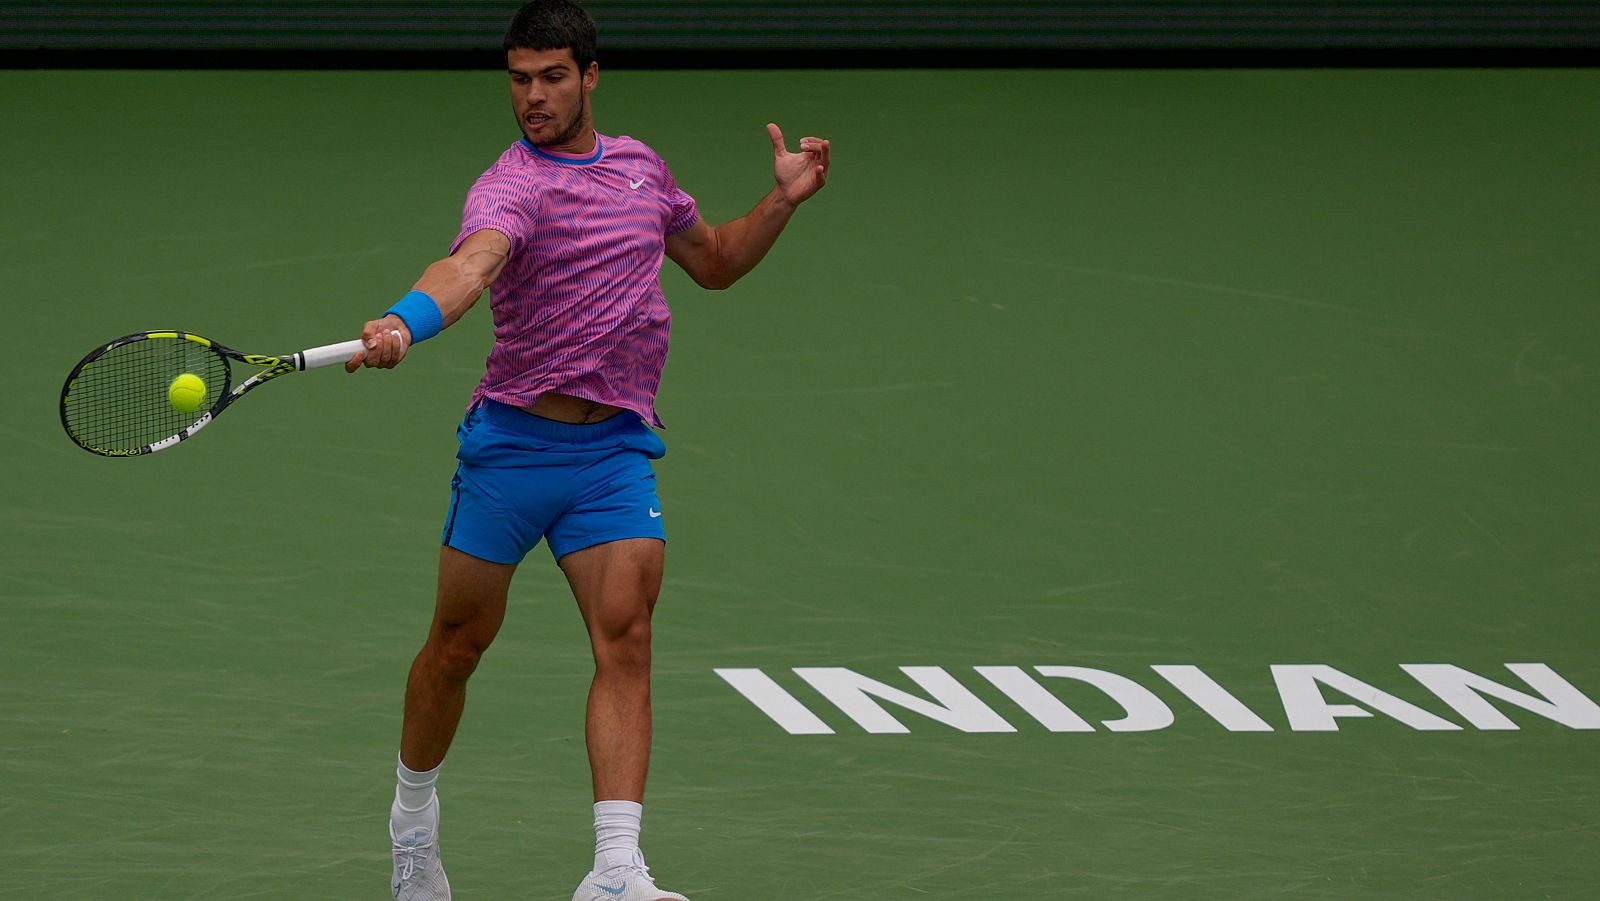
<point x="187" y="393"/>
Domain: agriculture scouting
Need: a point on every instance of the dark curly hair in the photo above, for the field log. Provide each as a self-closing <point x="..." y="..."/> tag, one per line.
<point x="552" y="25"/>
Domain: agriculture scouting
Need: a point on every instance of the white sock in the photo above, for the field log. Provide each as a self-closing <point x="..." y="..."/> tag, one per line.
<point x="413" y="797"/>
<point x="616" y="833"/>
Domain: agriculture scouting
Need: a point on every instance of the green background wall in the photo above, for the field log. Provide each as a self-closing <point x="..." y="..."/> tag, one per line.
<point x="757" y="24"/>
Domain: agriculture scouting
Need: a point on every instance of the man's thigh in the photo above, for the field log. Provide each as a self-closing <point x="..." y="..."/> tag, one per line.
<point x="472" y="594"/>
<point x="616" y="583"/>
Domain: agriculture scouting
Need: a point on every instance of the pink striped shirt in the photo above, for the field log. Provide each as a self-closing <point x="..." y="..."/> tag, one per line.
<point x="578" y="308"/>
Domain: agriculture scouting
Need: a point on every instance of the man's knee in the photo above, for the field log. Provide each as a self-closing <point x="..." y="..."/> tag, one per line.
<point x="471" y="607"/>
<point x="622" y="646"/>
<point x="456" y="652"/>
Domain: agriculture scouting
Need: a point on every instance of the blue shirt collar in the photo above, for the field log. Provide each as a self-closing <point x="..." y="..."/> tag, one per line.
<point x="599" y="149"/>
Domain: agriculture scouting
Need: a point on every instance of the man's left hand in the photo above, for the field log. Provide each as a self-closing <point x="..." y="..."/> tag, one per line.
<point x="800" y="174"/>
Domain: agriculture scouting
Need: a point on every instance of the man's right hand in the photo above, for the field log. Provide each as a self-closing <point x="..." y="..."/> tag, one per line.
<point x="387" y="340"/>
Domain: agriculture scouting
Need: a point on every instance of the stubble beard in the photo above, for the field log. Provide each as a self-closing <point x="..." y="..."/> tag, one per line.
<point x="573" y="129"/>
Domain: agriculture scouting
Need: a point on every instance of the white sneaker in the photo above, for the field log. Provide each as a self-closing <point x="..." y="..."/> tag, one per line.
<point x="628" y="882"/>
<point x="418" y="874"/>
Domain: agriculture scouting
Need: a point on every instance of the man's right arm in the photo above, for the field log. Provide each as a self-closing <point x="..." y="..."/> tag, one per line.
<point x="455" y="283"/>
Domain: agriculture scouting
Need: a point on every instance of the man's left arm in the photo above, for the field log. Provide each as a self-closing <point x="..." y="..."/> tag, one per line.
<point x="717" y="256"/>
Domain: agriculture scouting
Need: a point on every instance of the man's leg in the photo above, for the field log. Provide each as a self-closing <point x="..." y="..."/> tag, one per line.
<point x="616" y="585"/>
<point x="470" y="608"/>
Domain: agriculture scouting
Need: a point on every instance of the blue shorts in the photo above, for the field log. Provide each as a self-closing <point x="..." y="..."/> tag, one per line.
<point x="523" y="477"/>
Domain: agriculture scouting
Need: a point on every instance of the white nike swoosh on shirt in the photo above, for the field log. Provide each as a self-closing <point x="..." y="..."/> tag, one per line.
<point x="635" y="184"/>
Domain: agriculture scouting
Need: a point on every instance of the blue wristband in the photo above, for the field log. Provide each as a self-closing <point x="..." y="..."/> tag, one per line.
<point x="421" y="315"/>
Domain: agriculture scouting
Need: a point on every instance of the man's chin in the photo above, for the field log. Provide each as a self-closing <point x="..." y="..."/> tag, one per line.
<point x="550" y="137"/>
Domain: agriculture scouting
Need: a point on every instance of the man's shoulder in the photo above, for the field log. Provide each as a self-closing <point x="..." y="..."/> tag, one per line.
<point x="626" y="145"/>
<point x="516" y="163"/>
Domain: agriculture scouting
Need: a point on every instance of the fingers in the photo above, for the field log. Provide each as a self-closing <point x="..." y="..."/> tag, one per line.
<point x="386" y="349"/>
<point x="817" y="149"/>
<point x="776" y="134"/>
<point x="387" y="341"/>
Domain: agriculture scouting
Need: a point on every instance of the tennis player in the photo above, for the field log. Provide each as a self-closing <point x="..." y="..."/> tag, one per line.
<point x="569" y="228"/>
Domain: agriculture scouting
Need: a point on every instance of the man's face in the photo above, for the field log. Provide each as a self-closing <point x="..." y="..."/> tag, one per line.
<point x="550" y="96"/>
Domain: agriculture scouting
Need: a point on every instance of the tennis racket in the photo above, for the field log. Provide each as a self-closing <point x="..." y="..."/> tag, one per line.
<point x="116" y="404"/>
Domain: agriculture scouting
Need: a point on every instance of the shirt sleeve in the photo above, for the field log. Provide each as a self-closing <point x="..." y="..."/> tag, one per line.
<point x="682" y="210"/>
<point x="502" y="202"/>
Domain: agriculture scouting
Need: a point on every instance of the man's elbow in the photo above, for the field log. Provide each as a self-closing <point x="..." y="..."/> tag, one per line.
<point x="714" y="278"/>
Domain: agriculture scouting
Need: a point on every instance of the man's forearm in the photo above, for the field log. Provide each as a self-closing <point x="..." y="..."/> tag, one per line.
<point x="453" y="285"/>
<point x="743" y="242"/>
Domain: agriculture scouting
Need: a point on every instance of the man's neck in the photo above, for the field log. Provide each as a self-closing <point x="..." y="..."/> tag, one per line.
<point x="581" y="145"/>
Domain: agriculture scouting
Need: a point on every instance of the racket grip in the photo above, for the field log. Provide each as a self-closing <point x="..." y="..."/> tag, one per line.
<point x="327" y="354"/>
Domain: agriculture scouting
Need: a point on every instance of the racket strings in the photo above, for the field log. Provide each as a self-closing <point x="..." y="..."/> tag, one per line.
<point x="119" y="401"/>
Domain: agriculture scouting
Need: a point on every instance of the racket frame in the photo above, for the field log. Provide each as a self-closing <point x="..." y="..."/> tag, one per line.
<point x="272" y="367"/>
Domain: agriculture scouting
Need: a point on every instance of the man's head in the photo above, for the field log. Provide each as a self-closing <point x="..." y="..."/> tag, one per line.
<point x="553" y="25"/>
<point x="550" y="50"/>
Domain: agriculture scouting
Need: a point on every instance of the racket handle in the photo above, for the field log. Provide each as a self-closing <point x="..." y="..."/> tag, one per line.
<point x="327" y="354"/>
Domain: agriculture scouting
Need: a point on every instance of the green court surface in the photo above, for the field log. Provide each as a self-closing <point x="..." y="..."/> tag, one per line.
<point x="1096" y="369"/>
